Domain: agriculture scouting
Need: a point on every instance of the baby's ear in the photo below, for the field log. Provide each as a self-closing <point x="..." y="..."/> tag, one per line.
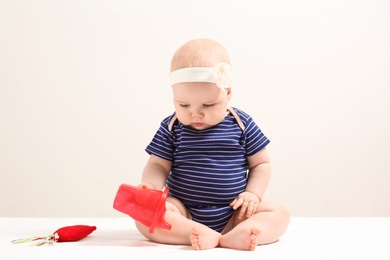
<point x="228" y="93"/>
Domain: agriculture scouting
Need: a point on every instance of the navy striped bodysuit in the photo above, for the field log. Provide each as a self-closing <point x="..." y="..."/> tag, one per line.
<point x="209" y="167"/>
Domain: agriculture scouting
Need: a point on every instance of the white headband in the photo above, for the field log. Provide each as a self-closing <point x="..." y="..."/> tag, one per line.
<point x="220" y="74"/>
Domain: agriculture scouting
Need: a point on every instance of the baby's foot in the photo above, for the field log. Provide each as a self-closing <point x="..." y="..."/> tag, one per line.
<point x="204" y="238"/>
<point x="245" y="239"/>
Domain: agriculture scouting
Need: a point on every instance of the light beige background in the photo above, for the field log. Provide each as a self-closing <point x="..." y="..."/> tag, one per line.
<point x="84" y="86"/>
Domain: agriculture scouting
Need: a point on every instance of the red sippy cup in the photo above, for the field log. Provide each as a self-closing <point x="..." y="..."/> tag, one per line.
<point x="144" y="205"/>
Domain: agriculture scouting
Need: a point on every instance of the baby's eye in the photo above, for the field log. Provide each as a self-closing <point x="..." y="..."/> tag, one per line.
<point x="208" y="105"/>
<point x="184" y="105"/>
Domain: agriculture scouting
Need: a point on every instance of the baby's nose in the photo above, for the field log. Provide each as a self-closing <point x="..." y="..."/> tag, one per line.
<point x="196" y="113"/>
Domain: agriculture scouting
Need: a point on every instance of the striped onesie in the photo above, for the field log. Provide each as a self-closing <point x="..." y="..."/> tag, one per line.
<point x="209" y="167"/>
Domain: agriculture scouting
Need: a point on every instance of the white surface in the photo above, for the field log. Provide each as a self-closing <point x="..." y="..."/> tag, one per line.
<point x="117" y="238"/>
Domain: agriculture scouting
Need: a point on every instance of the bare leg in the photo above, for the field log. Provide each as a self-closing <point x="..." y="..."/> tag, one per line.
<point x="184" y="231"/>
<point x="265" y="227"/>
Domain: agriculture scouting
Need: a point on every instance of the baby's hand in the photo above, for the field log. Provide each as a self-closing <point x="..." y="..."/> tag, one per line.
<point x="145" y="185"/>
<point x="248" y="203"/>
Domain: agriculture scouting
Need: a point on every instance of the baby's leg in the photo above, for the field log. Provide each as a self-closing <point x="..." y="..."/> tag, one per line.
<point x="265" y="227"/>
<point x="182" y="231"/>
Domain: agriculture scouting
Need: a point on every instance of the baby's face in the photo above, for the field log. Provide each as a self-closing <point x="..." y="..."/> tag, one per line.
<point x="200" y="105"/>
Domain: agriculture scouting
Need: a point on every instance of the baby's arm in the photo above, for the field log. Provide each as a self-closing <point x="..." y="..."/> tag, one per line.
<point x="155" y="173"/>
<point x="258" y="179"/>
<point x="259" y="173"/>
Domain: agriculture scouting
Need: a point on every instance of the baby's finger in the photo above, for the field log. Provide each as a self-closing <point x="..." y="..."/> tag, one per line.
<point x="237" y="203"/>
<point x="251" y="209"/>
<point x="233" y="202"/>
<point x="243" y="210"/>
<point x="241" y="213"/>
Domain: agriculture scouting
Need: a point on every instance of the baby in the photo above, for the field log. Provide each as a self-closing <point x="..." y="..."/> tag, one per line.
<point x="213" y="158"/>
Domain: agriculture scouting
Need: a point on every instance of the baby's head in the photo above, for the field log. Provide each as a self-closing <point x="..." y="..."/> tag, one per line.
<point x="199" y="53"/>
<point x="201" y="83"/>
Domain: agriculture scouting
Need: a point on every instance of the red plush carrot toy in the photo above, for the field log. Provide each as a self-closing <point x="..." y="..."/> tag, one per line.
<point x="64" y="234"/>
<point x="73" y="233"/>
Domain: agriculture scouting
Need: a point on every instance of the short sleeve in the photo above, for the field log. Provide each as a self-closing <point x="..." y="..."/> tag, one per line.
<point x="255" y="139"/>
<point x="162" y="143"/>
